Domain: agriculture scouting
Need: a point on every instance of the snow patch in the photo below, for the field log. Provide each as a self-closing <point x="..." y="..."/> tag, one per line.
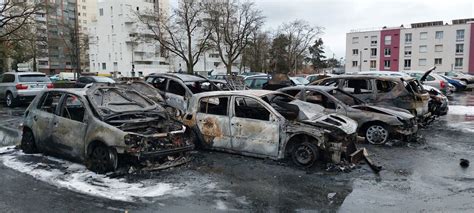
<point x="461" y="110"/>
<point x="463" y="126"/>
<point x="76" y="177"/>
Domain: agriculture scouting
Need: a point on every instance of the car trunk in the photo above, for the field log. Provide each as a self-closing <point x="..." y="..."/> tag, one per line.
<point x="34" y="81"/>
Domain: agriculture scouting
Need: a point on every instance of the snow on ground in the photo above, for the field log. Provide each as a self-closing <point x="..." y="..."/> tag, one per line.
<point x="463" y="126"/>
<point x="76" y="177"/>
<point x="461" y="110"/>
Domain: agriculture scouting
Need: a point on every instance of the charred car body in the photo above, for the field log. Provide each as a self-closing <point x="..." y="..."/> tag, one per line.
<point x="102" y="124"/>
<point x="177" y="88"/>
<point x="376" y="124"/>
<point x="405" y="93"/>
<point x="269" y="124"/>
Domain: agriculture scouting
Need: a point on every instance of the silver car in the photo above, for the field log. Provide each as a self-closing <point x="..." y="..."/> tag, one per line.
<point x="431" y="79"/>
<point x="269" y="124"/>
<point x="102" y="124"/>
<point x="21" y="87"/>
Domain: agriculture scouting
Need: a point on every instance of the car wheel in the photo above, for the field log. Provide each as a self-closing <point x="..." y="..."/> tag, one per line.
<point x="305" y="154"/>
<point x="10" y="100"/>
<point x="465" y="81"/>
<point x="376" y="134"/>
<point x="102" y="160"/>
<point x="27" y="143"/>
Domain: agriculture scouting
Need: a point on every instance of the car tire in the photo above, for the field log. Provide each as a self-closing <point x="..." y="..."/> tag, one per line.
<point x="102" y="160"/>
<point x="377" y="134"/>
<point x="305" y="154"/>
<point x="10" y="101"/>
<point x="465" y="81"/>
<point x="27" y="143"/>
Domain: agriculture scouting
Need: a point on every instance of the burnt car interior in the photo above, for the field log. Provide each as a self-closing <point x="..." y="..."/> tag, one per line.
<point x="50" y="102"/>
<point x="215" y="106"/>
<point x="281" y="103"/>
<point x="73" y="109"/>
<point x="250" y="108"/>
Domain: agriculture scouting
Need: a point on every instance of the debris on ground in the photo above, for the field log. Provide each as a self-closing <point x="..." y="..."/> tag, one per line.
<point x="464" y="163"/>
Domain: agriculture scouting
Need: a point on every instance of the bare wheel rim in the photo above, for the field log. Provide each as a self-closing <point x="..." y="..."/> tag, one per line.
<point x="101" y="159"/>
<point x="304" y="154"/>
<point x="376" y="134"/>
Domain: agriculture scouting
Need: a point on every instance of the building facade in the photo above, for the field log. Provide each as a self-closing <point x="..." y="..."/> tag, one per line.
<point x="419" y="47"/>
<point x="121" y="44"/>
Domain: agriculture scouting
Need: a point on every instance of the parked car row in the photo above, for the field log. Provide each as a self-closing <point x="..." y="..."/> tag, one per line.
<point x="156" y="122"/>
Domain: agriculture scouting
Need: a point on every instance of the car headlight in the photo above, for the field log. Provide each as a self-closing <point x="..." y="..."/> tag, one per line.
<point x="462" y="83"/>
<point x="132" y="139"/>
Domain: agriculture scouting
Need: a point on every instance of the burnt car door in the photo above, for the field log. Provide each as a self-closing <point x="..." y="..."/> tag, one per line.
<point x="43" y="116"/>
<point x="329" y="103"/>
<point x="69" y="127"/>
<point x="361" y="88"/>
<point x="213" y="122"/>
<point x="254" y="127"/>
<point x="176" y="95"/>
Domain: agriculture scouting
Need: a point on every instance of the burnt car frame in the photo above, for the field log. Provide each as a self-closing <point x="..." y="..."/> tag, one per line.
<point x="402" y="92"/>
<point x="269" y="124"/>
<point x="376" y="124"/>
<point x="177" y="88"/>
<point x="101" y="125"/>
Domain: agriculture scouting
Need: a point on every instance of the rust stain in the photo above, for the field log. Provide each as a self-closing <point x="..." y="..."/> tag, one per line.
<point x="211" y="129"/>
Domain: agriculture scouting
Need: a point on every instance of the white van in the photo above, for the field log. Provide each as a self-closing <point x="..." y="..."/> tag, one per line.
<point x="67" y="76"/>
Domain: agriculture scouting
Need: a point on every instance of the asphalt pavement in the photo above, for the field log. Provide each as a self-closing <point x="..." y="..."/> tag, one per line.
<point x="419" y="176"/>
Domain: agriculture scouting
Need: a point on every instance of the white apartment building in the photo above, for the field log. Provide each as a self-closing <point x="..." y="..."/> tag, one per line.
<point x="116" y="43"/>
<point x="420" y="47"/>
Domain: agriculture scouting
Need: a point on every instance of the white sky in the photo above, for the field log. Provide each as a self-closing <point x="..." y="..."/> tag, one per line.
<point x="340" y="16"/>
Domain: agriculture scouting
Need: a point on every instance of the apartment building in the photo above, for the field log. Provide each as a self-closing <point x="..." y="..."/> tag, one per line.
<point x="418" y="47"/>
<point x="86" y="14"/>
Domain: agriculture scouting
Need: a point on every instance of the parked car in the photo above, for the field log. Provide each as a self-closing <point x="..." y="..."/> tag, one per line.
<point x="458" y="84"/>
<point x="177" y="88"/>
<point x="269" y="124"/>
<point x="256" y="81"/>
<point x="383" y="73"/>
<point x="54" y="78"/>
<point x="376" y="124"/>
<point x="68" y="76"/>
<point x="99" y="125"/>
<point x="406" y="93"/>
<point x="315" y="77"/>
<point x="22" y="87"/>
<point x="467" y="78"/>
<point x="431" y="79"/>
<point x="85" y="80"/>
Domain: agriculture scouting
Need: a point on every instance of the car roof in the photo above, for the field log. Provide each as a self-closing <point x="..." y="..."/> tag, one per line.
<point x="258" y="93"/>
<point x="26" y="73"/>
<point x="182" y="76"/>
<point x="76" y="91"/>
<point x="369" y="77"/>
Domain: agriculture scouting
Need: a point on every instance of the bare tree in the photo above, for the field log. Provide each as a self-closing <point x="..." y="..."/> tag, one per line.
<point x="14" y="15"/>
<point x="300" y="36"/>
<point x="181" y="33"/>
<point x="256" y="55"/>
<point x="232" y="23"/>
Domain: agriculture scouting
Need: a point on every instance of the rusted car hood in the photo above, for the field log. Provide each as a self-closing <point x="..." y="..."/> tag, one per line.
<point x="394" y="111"/>
<point x="314" y="115"/>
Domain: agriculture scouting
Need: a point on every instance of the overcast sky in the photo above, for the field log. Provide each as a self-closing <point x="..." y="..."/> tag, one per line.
<point x="340" y="16"/>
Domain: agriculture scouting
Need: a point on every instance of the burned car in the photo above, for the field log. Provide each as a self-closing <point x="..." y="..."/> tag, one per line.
<point x="177" y="88"/>
<point x="269" y="124"/>
<point x="376" y="124"/>
<point x="402" y="92"/>
<point x="101" y="125"/>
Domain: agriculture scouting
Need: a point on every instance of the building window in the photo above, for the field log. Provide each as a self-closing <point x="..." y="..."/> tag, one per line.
<point x="408" y="51"/>
<point x="459" y="35"/>
<point x="459" y="48"/>
<point x="439" y="35"/>
<point x="355" y="40"/>
<point x="101" y="11"/>
<point x="439" y="48"/>
<point x="355" y="52"/>
<point x="373" y="51"/>
<point x="83" y="7"/>
<point x="458" y="62"/>
<point x="422" y="62"/>
<point x="373" y="64"/>
<point x="408" y="38"/>
<point x="423" y="35"/>
<point x="387" y="51"/>
<point x="438" y="61"/>
<point x="104" y="66"/>
<point x="423" y="48"/>
<point x="407" y="63"/>
<point x="386" y="64"/>
<point x="388" y="40"/>
<point x="354" y="63"/>
<point x="373" y="40"/>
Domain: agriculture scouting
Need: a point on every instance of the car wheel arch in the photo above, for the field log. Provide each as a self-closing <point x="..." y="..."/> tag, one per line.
<point x="363" y="127"/>
<point x="299" y="138"/>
